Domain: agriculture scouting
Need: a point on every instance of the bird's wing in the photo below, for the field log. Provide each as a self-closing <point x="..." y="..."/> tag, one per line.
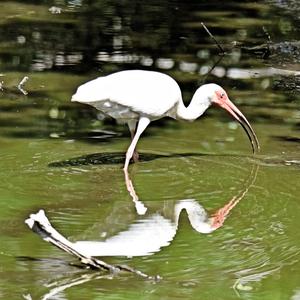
<point x="144" y="92"/>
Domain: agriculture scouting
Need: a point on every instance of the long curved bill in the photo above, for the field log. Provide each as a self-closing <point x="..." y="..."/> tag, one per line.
<point x="236" y="113"/>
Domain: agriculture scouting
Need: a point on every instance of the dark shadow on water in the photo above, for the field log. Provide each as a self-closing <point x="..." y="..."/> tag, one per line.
<point x="110" y="158"/>
<point x="53" y="262"/>
<point x="30" y="258"/>
<point x="118" y="158"/>
<point x="115" y="158"/>
<point x="291" y="139"/>
<point x="92" y="137"/>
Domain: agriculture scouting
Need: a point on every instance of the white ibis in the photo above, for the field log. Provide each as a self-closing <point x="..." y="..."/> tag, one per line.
<point x="137" y="97"/>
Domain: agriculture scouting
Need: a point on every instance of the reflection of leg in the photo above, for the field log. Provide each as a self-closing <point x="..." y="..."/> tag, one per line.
<point x="139" y="206"/>
<point x="132" y="128"/>
<point x="142" y="125"/>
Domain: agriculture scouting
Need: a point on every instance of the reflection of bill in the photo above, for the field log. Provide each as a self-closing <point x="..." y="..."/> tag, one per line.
<point x="149" y="233"/>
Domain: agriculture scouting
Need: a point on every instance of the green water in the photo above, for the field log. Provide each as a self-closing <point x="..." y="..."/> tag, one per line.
<point x="62" y="157"/>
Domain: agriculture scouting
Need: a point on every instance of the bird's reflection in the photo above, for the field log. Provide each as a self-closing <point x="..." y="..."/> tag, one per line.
<point x="160" y="228"/>
<point x="145" y="236"/>
<point x="151" y="231"/>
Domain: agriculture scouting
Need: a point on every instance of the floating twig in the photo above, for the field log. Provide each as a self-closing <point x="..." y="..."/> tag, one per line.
<point x="40" y="224"/>
<point x="20" y="85"/>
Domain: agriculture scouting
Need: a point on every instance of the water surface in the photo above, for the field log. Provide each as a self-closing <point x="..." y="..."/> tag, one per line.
<point x="64" y="158"/>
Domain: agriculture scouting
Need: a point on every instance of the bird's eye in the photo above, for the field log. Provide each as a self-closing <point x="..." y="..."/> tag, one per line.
<point x="222" y="95"/>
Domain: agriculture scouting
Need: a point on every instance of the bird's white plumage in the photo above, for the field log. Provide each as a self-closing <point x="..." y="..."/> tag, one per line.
<point x="138" y="97"/>
<point x="129" y="94"/>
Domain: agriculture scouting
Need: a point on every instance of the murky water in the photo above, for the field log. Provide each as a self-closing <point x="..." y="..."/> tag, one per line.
<point x="62" y="157"/>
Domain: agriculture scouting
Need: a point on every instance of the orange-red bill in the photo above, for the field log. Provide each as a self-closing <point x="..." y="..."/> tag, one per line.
<point x="236" y="113"/>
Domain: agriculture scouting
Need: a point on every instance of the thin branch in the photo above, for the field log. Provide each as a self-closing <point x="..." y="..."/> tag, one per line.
<point x="222" y="53"/>
<point x="212" y="68"/>
<point x="214" y="39"/>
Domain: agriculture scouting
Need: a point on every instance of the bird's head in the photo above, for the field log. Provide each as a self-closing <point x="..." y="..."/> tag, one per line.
<point x="217" y="95"/>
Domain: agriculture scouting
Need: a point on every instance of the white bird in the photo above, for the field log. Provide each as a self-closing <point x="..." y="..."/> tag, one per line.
<point x="137" y="97"/>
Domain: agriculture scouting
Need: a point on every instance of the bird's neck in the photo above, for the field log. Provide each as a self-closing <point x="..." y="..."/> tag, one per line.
<point x="195" y="109"/>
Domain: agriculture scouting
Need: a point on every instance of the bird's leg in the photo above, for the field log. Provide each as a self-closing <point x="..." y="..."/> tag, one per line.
<point x="142" y="125"/>
<point x="132" y="128"/>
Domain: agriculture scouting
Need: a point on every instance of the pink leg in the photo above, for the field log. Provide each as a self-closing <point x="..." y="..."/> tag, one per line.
<point x="142" y="125"/>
